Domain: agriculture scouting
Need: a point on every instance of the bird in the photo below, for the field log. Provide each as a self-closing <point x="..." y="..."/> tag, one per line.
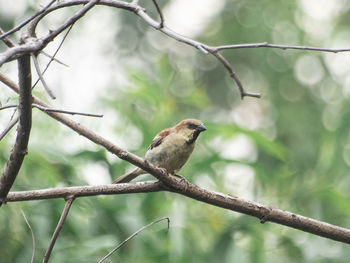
<point x="170" y="149"/>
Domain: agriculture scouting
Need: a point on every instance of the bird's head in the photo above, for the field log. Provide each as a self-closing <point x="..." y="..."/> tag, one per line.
<point x="190" y="128"/>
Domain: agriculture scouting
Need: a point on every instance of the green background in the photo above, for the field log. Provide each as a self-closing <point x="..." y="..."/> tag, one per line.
<point x="290" y="149"/>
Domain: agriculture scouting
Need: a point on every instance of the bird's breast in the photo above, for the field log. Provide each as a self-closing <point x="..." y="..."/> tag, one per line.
<point x="171" y="154"/>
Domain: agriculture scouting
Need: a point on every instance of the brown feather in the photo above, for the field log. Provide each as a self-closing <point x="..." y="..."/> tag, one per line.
<point x="170" y="149"/>
<point x="159" y="138"/>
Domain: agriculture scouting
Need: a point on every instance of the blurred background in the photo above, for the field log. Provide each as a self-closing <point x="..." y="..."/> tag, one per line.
<point x="290" y="149"/>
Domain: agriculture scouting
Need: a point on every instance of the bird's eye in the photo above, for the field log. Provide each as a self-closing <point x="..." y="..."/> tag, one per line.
<point x="191" y="126"/>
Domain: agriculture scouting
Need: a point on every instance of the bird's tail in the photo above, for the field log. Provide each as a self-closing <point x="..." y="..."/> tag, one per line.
<point x="129" y="176"/>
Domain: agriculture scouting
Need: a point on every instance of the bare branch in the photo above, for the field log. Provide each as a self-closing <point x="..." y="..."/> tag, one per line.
<point x="25" y="120"/>
<point x="172" y="184"/>
<point x="161" y="24"/>
<point x="8" y="106"/>
<point x="13" y="122"/>
<point x="34" y="45"/>
<point x="27" y="20"/>
<point x="45" y="109"/>
<point x="53" y="33"/>
<point x="38" y="44"/>
<point x="33" y="238"/>
<point x="8" y="82"/>
<point x="9" y="127"/>
<point x="41" y="77"/>
<point x="65" y="211"/>
<point x="133" y="235"/>
<point x="55" y="110"/>
<point x="6" y="40"/>
<point x="54" y="55"/>
<point x="284" y="47"/>
<point x="81" y="191"/>
<point x="263" y="213"/>
<point x="234" y="76"/>
<point x="53" y="58"/>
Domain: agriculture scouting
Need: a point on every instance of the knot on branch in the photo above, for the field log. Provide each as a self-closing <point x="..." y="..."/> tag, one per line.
<point x="265" y="214"/>
<point x="123" y="155"/>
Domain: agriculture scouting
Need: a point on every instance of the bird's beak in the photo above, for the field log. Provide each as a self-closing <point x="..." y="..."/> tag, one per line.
<point x="201" y="128"/>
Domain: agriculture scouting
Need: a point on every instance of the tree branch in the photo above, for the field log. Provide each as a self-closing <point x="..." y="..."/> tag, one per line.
<point x="54" y="110"/>
<point x="133" y="235"/>
<point x="39" y="43"/>
<point x="193" y="191"/>
<point x="33" y="45"/>
<point x="8" y="107"/>
<point x="41" y="77"/>
<point x="23" y="131"/>
<point x="264" y="213"/>
<point x="44" y="109"/>
<point x="284" y="47"/>
<point x="6" y="40"/>
<point x="58" y="229"/>
<point x="12" y="123"/>
<point x="169" y="183"/>
<point x="161" y="24"/>
<point x="83" y="191"/>
<point x="233" y="75"/>
<point x="52" y="58"/>
<point x="4" y="35"/>
<point x="32" y="233"/>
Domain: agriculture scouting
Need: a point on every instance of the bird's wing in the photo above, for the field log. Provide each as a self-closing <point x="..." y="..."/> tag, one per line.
<point x="159" y="138"/>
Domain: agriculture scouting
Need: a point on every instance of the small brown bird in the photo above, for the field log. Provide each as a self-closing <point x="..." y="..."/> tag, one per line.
<point x="170" y="149"/>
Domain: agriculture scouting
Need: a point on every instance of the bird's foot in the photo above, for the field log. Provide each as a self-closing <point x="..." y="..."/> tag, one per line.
<point x="163" y="170"/>
<point x="183" y="180"/>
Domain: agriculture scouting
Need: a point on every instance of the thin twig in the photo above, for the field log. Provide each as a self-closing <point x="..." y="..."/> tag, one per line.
<point x="41" y="77"/>
<point x="45" y="109"/>
<point x="34" y="45"/>
<point x="133" y="235"/>
<point x="234" y="76"/>
<point x="12" y="122"/>
<point x="54" y="55"/>
<point x="58" y="229"/>
<point x="52" y="58"/>
<point x="201" y="48"/>
<point x="27" y="20"/>
<point x="33" y="238"/>
<point x="8" y="106"/>
<point x="284" y="47"/>
<point x="53" y="33"/>
<point x="134" y="7"/>
<point x="161" y="24"/>
<point x="9" y="127"/>
<point x="7" y="40"/>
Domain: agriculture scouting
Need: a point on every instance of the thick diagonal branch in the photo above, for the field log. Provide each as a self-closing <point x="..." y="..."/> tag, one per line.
<point x="264" y="213"/>
<point x="172" y="184"/>
<point x="19" y="150"/>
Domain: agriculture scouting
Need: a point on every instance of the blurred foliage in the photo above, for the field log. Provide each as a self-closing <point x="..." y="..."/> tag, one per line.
<point x="290" y="149"/>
